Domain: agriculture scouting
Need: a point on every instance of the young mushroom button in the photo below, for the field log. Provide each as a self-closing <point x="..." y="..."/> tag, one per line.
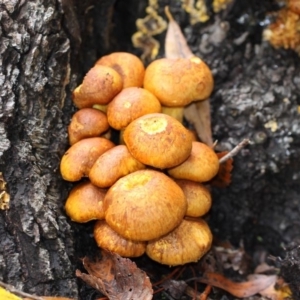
<point x="158" y="140"/>
<point x="144" y="205"/>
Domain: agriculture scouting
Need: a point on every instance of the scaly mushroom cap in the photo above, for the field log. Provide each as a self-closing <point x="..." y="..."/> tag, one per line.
<point x="129" y="66"/>
<point x="85" y="203"/>
<point x="178" y="82"/>
<point x="87" y="122"/>
<point x="107" y="238"/>
<point x="186" y="243"/>
<point x="80" y="157"/>
<point x="158" y="140"/>
<point x="198" y="197"/>
<point x="112" y="165"/>
<point x="100" y="85"/>
<point x="130" y="104"/>
<point x="201" y="166"/>
<point x="144" y="205"/>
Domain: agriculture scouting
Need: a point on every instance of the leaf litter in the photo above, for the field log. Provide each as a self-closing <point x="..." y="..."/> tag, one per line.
<point x="116" y="277"/>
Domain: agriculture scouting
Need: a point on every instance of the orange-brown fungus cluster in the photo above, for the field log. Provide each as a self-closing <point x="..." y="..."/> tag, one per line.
<point x="285" y="31"/>
<point x="148" y="194"/>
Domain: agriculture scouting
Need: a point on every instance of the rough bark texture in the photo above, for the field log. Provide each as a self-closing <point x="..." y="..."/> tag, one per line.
<point x="36" y="240"/>
<point x="46" y="46"/>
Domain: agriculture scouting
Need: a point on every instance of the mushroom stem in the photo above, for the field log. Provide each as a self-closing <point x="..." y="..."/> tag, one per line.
<point x="102" y="107"/>
<point x="175" y="112"/>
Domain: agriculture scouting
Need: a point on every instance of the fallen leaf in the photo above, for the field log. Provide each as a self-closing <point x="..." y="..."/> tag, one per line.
<point x="281" y="293"/>
<point x="223" y="178"/>
<point x="117" y="278"/>
<point x="175" y="42"/>
<point x="239" y="289"/>
<point x="198" y="114"/>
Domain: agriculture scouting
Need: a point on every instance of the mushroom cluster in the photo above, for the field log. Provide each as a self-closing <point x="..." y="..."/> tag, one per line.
<point x="148" y="193"/>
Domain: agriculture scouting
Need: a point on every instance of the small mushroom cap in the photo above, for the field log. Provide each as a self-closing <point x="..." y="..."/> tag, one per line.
<point x="80" y="157"/>
<point x="201" y="166"/>
<point x="130" y="104"/>
<point x="100" y="85"/>
<point x="158" y="140"/>
<point x="129" y="66"/>
<point x="198" y="197"/>
<point x="85" y="203"/>
<point x="186" y="243"/>
<point x="178" y="82"/>
<point x="107" y="238"/>
<point x="87" y="122"/>
<point x="112" y="165"/>
<point x="144" y="205"/>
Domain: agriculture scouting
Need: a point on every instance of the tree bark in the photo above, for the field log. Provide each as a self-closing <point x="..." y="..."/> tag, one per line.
<point x="36" y="242"/>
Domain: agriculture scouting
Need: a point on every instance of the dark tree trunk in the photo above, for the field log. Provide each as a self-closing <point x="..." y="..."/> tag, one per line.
<point x="46" y="46"/>
<point x="36" y="239"/>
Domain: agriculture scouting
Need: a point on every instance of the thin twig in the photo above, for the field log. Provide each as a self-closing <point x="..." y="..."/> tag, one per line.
<point x="169" y="276"/>
<point x="234" y="151"/>
<point x="13" y="290"/>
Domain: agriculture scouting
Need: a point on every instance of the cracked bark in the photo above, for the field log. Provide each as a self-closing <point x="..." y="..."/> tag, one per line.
<point x="36" y="239"/>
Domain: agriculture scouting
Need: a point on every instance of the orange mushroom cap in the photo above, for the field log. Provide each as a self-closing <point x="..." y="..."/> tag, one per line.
<point x="112" y="165"/>
<point x="144" y="205"/>
<point x="198" y="197"/>
<point x="186" y="243"/>
<point x="130" y="104"/>
<point x="158" y="140"/>
<point x="178" y="82"/>
<point x="108" y="239"/>
<point x="80" y="157"/>
<point x="100" y="85"/>
<point x="201" y="166"/>
<point x="85" y="203"/>
<point x="129" y="66"/>
<point x="87" y="122"/>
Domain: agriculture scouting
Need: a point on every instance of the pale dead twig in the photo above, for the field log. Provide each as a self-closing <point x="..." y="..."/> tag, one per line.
<point x="235" y="150"/>
<point x="16" y="292"/>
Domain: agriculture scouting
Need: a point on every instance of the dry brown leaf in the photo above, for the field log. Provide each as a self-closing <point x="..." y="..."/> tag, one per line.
<point x="175" y="43"/>
<point x="117" y="278"/>
<point x="277" y="294"/>
<point x="198" y="114"/>
<point x="239" y="289"/>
